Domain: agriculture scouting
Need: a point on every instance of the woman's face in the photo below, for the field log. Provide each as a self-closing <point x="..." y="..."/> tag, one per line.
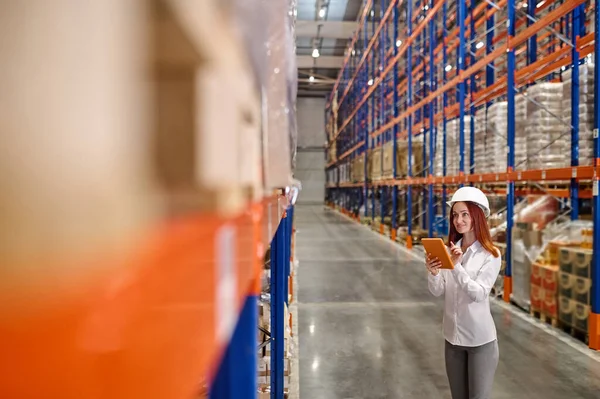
<point x="461" y="218"/>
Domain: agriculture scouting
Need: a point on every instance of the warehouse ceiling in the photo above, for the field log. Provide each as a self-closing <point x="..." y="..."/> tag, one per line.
<point x="327" y="27"/>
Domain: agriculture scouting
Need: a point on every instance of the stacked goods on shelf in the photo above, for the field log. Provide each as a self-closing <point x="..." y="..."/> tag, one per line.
<point x="438" y="165"/>
<point x="345" y="172"/>
<point x="453" y="146"/>
<point x="545" y="283"/>
<point x="586" y="110"/>
<point x="528" y="243"/>
<point x="546" y="135"/>
<point x="388" y="160"/>
<point x="416" y="157"/>
<point x="574" y="287"/>
<point x="520" y="133"/>
<point x="375" y="163"/>
<point x="358" y="168"/>
<point x="495" y="138"/>
<point x="481" y="165"/>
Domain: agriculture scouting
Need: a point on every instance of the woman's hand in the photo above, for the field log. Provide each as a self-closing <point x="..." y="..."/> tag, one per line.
<point x="433" y="265"/>
<point x="456" y="254"/>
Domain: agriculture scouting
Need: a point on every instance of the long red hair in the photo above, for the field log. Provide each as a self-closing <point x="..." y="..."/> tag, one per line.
<point x="480" y="227"/>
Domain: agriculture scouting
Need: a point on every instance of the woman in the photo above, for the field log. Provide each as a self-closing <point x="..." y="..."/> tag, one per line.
<point x="471" y="344"/>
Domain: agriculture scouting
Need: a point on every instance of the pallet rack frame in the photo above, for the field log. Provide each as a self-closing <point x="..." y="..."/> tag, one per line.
<point x="356" y="85"/>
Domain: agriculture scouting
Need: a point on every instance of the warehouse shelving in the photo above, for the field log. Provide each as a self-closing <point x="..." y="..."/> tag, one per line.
<point x="416" y="68"/>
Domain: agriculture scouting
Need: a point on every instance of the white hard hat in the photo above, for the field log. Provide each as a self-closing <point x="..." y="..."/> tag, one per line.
<point x="471" y="194"/>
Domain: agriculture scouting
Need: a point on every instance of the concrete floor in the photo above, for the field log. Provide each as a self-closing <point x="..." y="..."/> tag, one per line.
<point x="368" y="327"/>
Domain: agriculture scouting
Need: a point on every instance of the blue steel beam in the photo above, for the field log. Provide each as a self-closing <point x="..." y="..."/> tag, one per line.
<point x="382" y="87"/>
<point x="510" y="198"/>
<point x="594" y="329"/>
<point x="395" y="129"/>
<point x="237" y="374"/>
<point x="278" y="281"/>
<point x="472" y="90"/>
<point x="432" y="45"/>
<point x="372" y="76"/>
<point x="445" y="103"/>
<point x="409" y="90"/>
<point x="461" y="86"/>
<point x="578" y="14"/>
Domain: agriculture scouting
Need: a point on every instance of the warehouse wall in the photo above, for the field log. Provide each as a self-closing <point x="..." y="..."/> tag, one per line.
<point x="310" y="160"/>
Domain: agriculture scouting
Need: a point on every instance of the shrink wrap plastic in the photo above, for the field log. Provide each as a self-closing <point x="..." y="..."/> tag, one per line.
<point x="452" y="148"/>
<point x="547" y="136"/>
<point x="586" y="111"/>
<point x="520" y="134"/>
<point x="268" y="29"/>
<point x="495" y="138"/>
<point x="481" y="164"/>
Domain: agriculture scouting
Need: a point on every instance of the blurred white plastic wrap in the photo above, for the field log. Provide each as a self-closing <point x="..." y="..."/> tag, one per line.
<point x="268" y="29"/>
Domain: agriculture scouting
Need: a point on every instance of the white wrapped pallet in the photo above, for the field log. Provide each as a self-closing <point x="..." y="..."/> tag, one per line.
<point x="520" y="134"/>
<point x="481" y="165"/>
<point x="546" y="138"/>
<point x="453" y="146"/>
<point x="586" y="110"/>
<point x="495" y="139"/>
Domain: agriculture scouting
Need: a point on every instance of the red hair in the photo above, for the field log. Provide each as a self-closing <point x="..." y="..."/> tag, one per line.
<point x="480" y="227"/>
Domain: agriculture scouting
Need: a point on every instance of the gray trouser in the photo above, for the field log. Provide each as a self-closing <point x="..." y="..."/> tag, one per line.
<point x="471" y="370"/>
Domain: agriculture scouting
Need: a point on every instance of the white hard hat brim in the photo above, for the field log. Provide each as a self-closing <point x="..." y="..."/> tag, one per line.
<point x="486" y="211"/>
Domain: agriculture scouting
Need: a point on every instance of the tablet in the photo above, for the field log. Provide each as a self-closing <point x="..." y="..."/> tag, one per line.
<point x="436" y="248"/>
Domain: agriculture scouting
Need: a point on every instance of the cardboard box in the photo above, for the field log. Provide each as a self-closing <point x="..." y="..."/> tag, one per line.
<point x="537" y="296"/>
<point x="566" y="285"/>
<point x="376" y="156"/>
<point x="566" y="308"/>
<point x="581" y="316"/>
<point x="536" y="274"/>
<point x="582" y="262"/>
<point x="581" y="290"/>
<point x="550" y="277"/>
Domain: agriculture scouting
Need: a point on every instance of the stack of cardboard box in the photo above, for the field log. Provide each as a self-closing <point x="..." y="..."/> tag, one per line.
<point x="574" y="287"/>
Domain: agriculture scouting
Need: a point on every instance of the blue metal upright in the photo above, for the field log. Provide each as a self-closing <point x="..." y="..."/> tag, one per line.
<point x="510" y="198"/>
<point x="578" y="14"/>
<point x="395" y="129"/>
<point x="278" y="283"/>
<point x="445" y="103"/>
<point x="432" y="45"/>
<point x="238" y="371"/>
<point x="409" y="91"/>
<point x="382" y="86"/>
<point x="461" y="86"/>
<point x="372" y="125"/>
<point x="472" y="90"/>
<point x="594" y="326"/>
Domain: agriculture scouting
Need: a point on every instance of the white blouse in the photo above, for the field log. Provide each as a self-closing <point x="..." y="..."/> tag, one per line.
<point x="467" y="317"/>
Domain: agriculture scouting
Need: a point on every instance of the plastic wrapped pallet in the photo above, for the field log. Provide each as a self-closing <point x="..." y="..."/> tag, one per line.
<point x="481" y="165"/>
<point x="453" y="146"/>
<point x="271" y="47"/>
<point x="495" y="139"/>
<point x="520" y="133"/>
<point x="547" y="136"/>
<point x="586" y="110"/>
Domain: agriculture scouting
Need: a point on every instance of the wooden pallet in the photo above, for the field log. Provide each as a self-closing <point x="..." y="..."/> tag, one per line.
<point x="582" y="336"/>
<point x="538" y="314"/>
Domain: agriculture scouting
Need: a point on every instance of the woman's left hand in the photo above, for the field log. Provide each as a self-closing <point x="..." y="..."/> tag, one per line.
<point x="456" y="254"/>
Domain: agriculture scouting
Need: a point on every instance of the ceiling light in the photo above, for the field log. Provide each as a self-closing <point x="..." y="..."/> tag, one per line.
<point x="353" y="52"/>
<point x="524" y="5"/>
<point x="398" y="43"/>
<point x="426" y="8"/>
<point x="479" y="45"/>
<point x="322" y="12"/>
<point x="448" y="68"/>
<point x="541" y="3"/>
<point x="370" y="82"/>
<point x="372" y="12"/>
<point x="311" y="79"/>
<point x="315" y="53"/>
